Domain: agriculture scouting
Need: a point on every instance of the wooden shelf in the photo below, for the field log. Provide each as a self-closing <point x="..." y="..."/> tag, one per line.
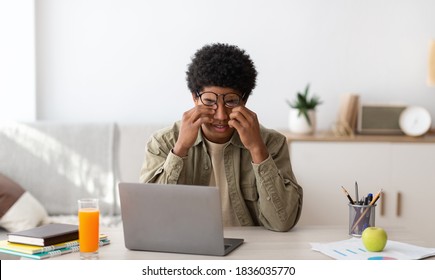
<point x="328" y="136"/>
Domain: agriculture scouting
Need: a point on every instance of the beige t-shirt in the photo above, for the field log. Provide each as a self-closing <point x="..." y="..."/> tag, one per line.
<point x="218" y="178"/>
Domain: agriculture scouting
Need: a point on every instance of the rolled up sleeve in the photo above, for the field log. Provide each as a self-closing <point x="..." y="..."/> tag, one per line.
<point x="280" y="196"/>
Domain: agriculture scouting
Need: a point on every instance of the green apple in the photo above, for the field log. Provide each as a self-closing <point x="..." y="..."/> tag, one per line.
<point x="374" y="239"/>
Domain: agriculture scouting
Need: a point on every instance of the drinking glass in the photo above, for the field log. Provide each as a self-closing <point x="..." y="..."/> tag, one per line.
<point x="89" y="225"/>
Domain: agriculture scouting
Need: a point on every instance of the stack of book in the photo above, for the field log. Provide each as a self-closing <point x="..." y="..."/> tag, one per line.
<point x="346" y="124"/>
<point x="45" y="241"/>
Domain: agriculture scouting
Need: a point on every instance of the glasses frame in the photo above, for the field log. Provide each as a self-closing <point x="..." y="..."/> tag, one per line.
<point x="199" y="95"/>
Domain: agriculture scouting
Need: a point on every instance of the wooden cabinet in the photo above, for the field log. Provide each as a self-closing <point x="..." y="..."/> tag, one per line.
<point x="404" y="170"/>
<point x="412" y="200"/>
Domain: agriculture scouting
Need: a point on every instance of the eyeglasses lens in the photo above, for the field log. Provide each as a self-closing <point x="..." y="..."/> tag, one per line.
<point x="231" y="100"/>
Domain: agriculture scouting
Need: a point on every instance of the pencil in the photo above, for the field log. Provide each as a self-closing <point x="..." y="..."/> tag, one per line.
<point x="377" y="196"/>
<point x="366" y="210"/>
<point x="347" y="194"/>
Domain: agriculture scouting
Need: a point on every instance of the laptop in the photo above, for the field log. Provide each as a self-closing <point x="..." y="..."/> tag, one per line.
<point x="174" y="218"/>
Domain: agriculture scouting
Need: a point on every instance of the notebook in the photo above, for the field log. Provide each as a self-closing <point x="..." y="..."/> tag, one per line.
<point x="174" y="218"/>
<point x="45" y="235"/>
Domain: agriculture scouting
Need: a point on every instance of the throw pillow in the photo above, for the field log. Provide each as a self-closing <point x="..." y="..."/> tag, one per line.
<point x="19" y="210"/>
<point x="9" y="193"/>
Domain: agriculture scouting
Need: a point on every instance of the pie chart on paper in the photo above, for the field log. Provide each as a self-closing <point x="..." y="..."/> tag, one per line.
<point x="380" y="258"/>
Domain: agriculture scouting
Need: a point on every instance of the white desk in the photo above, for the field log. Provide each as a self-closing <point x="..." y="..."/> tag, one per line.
<point x="260" y="244"/>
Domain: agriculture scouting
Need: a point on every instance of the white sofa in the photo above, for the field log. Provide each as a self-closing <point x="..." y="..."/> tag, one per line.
<point x="57" y="163"/>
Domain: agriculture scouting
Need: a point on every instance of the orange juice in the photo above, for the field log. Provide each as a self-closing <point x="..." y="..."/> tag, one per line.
<point x="89" y="229"/>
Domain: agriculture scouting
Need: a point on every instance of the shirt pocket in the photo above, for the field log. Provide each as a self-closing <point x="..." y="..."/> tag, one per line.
<point x="249" y="192"/>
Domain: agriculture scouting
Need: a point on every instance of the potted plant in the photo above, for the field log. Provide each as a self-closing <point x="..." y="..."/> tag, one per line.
<point x="302" y="115"/>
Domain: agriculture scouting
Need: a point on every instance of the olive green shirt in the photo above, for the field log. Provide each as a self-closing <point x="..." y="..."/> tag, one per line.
<point x="262" y="194"/>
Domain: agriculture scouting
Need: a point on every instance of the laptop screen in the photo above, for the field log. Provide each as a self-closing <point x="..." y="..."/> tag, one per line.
<point x="172" y="218"/>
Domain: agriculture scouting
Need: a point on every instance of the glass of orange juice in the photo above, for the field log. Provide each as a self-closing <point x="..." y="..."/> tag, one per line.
<point x="89" y="226"/>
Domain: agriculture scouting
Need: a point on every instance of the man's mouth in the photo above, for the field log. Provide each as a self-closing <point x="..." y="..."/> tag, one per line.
<point x="220" y="125"/>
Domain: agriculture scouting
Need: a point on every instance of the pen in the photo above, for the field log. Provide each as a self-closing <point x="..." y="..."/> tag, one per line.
<point x="366" y="210"/>
<point x="369" y="198"/>
<point x="356" y="191"/>
<point x="347" y="194"/>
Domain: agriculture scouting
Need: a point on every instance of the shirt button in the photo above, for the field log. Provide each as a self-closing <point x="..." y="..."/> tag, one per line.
<point x="268" y="198"/>
<point x="206" y="167"/>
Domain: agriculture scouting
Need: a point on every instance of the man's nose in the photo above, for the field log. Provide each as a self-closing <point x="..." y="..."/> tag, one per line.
<point x="221" y="111"/>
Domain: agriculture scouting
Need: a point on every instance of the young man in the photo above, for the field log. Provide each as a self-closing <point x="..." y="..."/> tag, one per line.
<point x="219" y="142"/>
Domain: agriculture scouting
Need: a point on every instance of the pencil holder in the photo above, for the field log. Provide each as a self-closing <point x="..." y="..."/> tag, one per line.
<point x="360" y="217"/>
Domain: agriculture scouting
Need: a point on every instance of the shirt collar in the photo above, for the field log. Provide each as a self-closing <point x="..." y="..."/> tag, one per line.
<point x="235" y="139"/>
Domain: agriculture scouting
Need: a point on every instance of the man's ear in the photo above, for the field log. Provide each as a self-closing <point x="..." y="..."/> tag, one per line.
<point x="194" y="97"/>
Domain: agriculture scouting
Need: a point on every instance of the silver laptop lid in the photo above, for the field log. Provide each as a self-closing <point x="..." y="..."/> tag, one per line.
<point x="172" y="218"/>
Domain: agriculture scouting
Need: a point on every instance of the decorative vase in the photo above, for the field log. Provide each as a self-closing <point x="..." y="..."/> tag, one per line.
<point x="298" y="123"/>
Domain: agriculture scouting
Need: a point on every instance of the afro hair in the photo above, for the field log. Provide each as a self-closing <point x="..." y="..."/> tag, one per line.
<point x="221" y="65"/>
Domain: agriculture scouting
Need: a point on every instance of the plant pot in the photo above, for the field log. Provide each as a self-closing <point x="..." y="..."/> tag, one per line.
<point x="299" y="124"/>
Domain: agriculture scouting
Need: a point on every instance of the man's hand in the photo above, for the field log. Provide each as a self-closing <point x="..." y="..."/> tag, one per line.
<point x="246" y="123"/>
<point x="190" y="124"/>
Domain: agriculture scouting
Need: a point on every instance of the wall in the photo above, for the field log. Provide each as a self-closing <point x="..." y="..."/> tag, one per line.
<point x="125" y="60"/>
<point x="17" y="60"/>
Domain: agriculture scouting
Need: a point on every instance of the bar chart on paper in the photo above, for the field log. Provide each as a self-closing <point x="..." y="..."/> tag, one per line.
<point x="353" y="249"/>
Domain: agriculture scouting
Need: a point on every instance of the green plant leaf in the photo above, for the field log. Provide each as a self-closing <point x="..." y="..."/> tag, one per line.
<point x="304" y="103"/>
<point x="307" y="117"/>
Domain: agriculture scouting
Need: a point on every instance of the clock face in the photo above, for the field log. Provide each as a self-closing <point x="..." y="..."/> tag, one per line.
<point x="415" y="121"/>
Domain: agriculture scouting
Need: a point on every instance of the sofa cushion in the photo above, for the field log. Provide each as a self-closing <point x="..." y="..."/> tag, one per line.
<point x="59" y="163"/>
<point x="131" y="140"/>
<point x="19" y="210"/>
<point x="9" y="193"/>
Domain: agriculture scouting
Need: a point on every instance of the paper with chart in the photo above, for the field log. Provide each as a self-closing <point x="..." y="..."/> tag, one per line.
<point x="353" y="249"/>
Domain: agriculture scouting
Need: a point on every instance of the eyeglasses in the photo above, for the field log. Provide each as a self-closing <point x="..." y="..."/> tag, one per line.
<point x="209" y="98"/>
